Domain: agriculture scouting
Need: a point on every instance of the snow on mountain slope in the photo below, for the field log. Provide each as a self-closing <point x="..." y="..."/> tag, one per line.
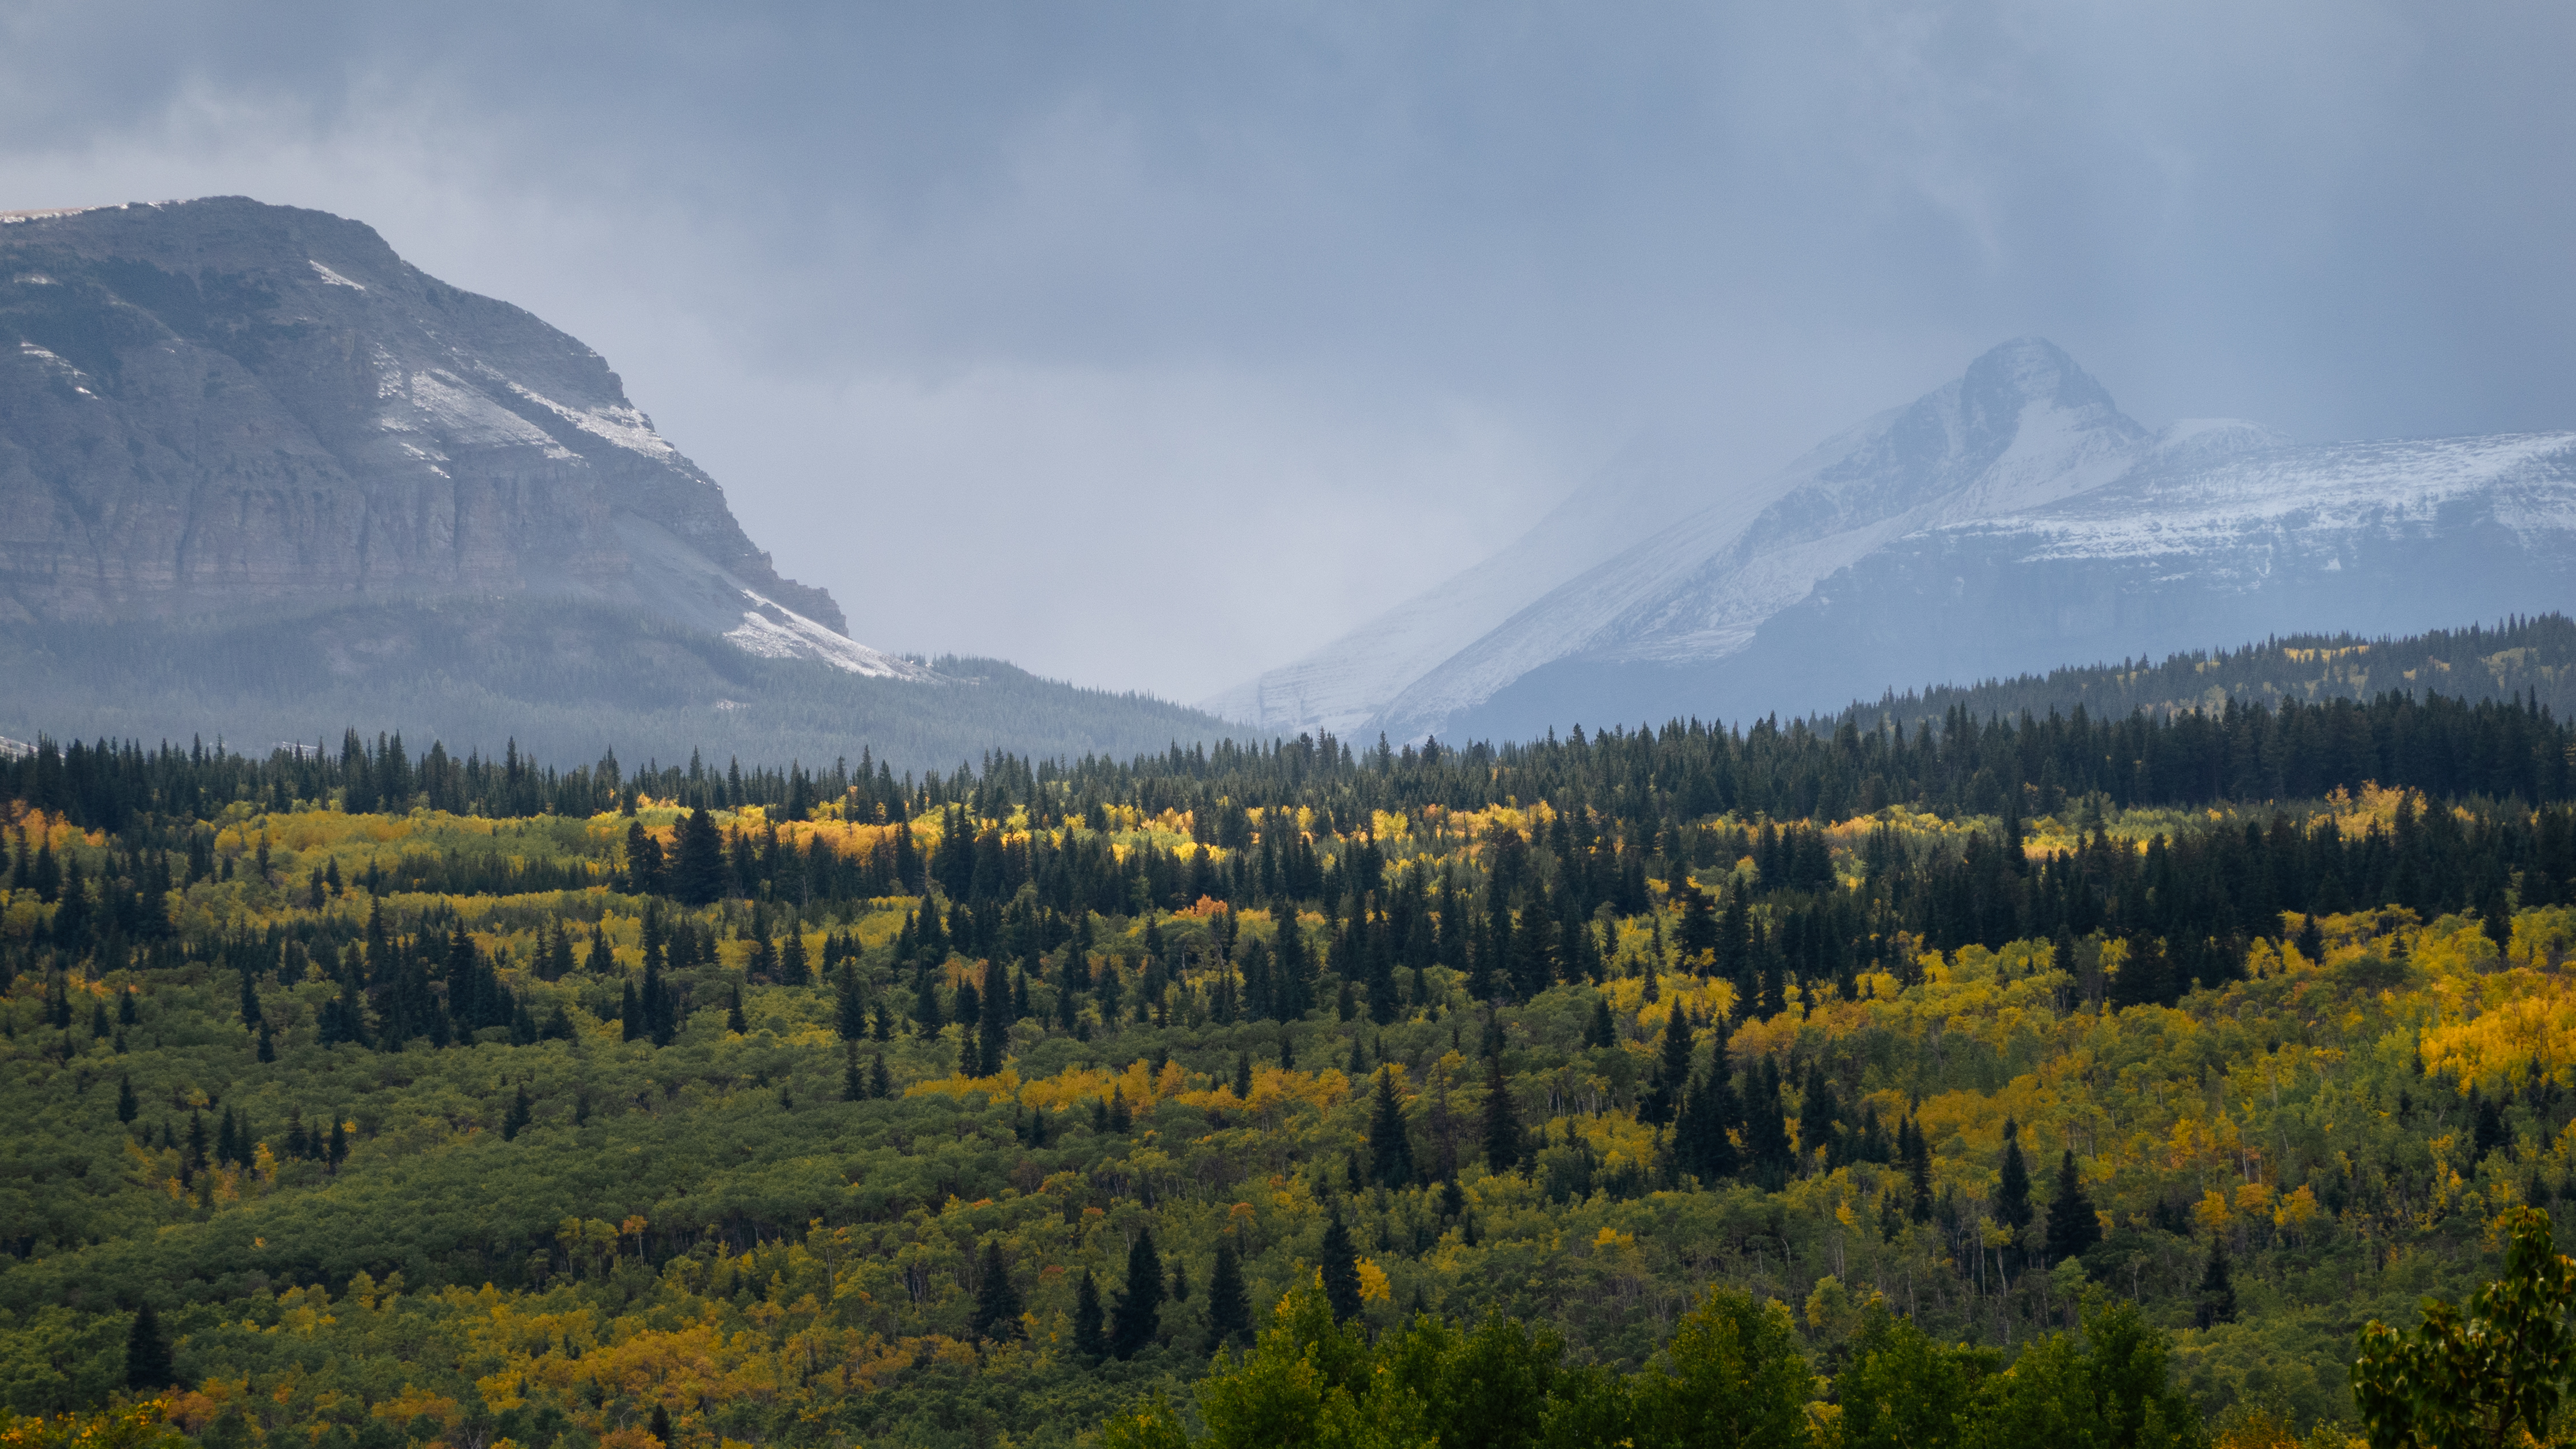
<point x="217" y="405"/>
<point x="2014" y="519"/>
<point x="2023" y="426"/>
<point x="1653" y="482"/>
<point x="2201" y="508"/>
<point x="2187" y="552"/>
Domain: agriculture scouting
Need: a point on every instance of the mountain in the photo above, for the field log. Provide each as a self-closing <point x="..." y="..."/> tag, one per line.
<point x="1655" y="481"/>
<point x="253" y="434"/>
<point x="2010" y="520"/>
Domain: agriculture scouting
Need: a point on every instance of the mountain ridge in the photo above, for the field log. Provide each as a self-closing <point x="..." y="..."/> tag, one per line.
<point x="218" y="402"/>
<point x="1899" y="548"/>
<point x="260" y="476"/>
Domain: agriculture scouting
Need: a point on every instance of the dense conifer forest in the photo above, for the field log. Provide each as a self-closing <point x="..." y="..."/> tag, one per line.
<point x="1998" y="1080"/>
<point x="2531" y="657"/>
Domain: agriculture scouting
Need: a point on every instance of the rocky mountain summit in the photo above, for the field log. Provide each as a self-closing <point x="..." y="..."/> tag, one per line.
<point x="217" y="406"/>
<point x="259" y="476"/>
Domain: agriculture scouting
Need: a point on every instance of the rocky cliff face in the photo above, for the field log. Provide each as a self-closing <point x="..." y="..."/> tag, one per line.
<point x="219" y="406"/>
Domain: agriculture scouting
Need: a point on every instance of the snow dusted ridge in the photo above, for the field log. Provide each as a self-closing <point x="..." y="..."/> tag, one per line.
<point x="774" y="631"/>
<point x="2319" y="491"/>
<point x="2024" y="426"/>
<point x="2012" y="519"/>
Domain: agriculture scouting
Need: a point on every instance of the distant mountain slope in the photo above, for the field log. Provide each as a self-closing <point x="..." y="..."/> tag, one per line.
<point x="566" y="680"/>
<point x="2516" y="659"/>
<point x="2373" y="539"/>
<point x="1656" y="481"/>
<point x="253" y="434"/>
<point x="2006" y="522"/>
<point x="2023" y="425"/>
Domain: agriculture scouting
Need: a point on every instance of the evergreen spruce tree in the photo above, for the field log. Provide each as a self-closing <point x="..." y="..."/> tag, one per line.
<point x="1766" y="1132"/>
<point x="993" y="1028"/>
<point x="2073" y="1227"/>
<point x="660" y="1426"/>
<point x="734" y="1020"/>
<point x="1390" y="1151"/>
<point x="2215" y="1303"/>
<point x="1502" y="1120"/>
<point x="517" y="1117"/>
<point x="1068" y="999"/>
<point x="1734" y="952"/>
<point x="880" y="1081"/>
<point x="267" y="1051"/>
<point x="1341" y="1270"/>
<point x="2012" y="1190"/>
<point x="661" y="1005"/>
<point x="2311" y="941"/>
<point x="126" y="1105"/>
<point x="1603" y="1030"/>
<point x="1672" y="1071"/>
<point x="997" y="1303"/>
<point x="1138" y="1315"/>
<point x="147" y="1353"/>
<point x="1699" y="931"/>
<point x="1700" y="1141"/>
<point x="644" y="874"/>
<point x="1917" y="1157"/>
<point x="1229" y="1306"/>
<point x="1088" y="1339"/>
<point x="1819" y="1127"/>
<point x="698" y="872"/>
<point x="927" y="1018"/>
<point x="1242" y="1077"/>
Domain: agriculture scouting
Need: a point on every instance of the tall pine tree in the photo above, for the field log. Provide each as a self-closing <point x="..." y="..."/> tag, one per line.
<point x="1390" y="1150"/>
<point x="1341" y="1270"/>
<point x="1138" y="1316"/>
<point x="147" y="1353"/>
<point x="997" y="1303"/>
<point x="2073" y="1228"/>
<point x="1502" y="1120"/>
<point x="1229" y="1306"/>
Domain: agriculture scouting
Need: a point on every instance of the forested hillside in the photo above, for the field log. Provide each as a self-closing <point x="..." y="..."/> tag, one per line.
<point x="2519" y="659"/>
<point x="1772" y="1087"/>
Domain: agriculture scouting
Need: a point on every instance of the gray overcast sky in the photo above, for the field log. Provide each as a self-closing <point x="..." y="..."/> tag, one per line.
<point x="1148" y="345"/>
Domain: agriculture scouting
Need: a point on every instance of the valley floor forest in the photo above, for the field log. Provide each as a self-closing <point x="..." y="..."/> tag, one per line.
<point x="2009" y="1081"/>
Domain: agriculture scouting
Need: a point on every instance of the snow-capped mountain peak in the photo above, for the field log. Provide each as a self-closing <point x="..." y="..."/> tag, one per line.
<point x="1950" y="523"/>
